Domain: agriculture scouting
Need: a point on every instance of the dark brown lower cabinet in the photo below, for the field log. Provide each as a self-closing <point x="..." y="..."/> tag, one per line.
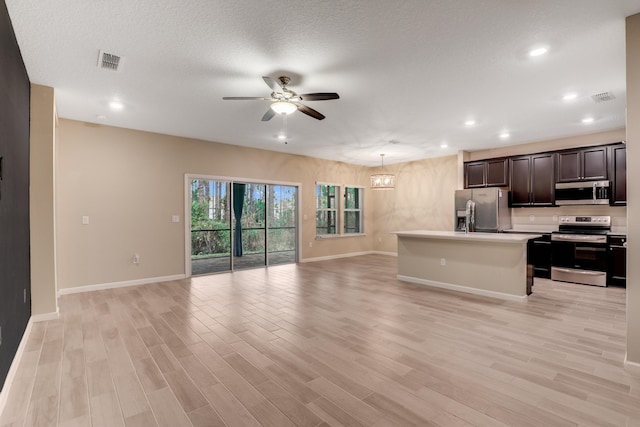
<point x="539" y="255"/>
<point x="617" y="263"/>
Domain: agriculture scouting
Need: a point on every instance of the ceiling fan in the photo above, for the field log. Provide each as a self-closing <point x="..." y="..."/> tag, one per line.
<point x="285" y="101"/>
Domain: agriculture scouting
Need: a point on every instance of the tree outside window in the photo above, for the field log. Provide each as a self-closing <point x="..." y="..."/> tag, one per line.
<point x="327" y="209"/>
<point x="353" y="210"/>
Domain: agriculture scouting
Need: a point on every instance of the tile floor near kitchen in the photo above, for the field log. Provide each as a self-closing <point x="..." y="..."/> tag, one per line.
<point x="337" y="342"/>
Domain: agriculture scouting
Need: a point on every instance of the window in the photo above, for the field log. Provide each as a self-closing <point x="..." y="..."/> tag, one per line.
<point x="353" y="210"/>
<point x="327" y="209"/>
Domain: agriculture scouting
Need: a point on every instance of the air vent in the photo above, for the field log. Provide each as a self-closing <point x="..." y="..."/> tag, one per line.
<point x="603" y="96"/>
<point x="109" y="61"/>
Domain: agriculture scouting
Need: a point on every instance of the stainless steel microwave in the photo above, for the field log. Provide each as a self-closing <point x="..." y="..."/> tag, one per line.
<point x="582" y="193"/>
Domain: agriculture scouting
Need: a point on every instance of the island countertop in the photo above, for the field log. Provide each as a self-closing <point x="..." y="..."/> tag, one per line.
<point x="473" y="236"/>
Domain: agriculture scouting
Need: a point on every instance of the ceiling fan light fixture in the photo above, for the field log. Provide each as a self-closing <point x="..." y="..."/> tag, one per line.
<point x="283" y="107"/>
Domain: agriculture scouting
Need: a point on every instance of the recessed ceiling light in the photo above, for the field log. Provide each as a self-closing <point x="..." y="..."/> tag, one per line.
<point x="587" y="120"/>
<point x="470" y="123"/>
<point x="570" y="97"/>
<point x="282" y="137"/>
<point x="538" y="51"/>
<point x="444" y="145"/>
<point x="505" y="135"/>
<point x="116" y="105"/>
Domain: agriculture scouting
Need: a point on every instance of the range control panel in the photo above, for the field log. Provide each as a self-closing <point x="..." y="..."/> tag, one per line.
<point x="586" y="221"/>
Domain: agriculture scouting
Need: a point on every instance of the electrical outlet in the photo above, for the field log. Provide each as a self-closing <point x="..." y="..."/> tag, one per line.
<point x="310" y="244"/>
<point x="555" y="218"/>
<point x="532" y="218"/>
<point x="443" y="262"/>
<point x="136" y="259"/>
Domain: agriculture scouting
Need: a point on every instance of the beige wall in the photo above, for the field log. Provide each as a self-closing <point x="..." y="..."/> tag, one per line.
<point x="633" y="188"/>
<point x="423" y="199"/>
<point x="41" y="200"/>
<point x="130" y="183"/>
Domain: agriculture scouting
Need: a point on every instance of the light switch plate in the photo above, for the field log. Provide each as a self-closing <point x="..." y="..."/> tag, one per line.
<point x="85" y="220"/>
<point x="175" y="218"/>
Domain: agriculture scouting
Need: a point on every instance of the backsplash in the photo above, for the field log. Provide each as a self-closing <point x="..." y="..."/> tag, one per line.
<point x="545" y="217"/>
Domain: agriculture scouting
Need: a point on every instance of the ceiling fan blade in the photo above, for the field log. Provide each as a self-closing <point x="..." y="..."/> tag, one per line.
<point x="274" y="84"/>
<point x="309" y="112"/>
<point x="324" y="96"/>
<point x="245" y="98"/>
<point x="268" y="115"/>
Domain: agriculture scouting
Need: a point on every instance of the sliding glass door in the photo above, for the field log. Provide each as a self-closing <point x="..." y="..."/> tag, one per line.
<point x="210" y="226"/>
<point x="238" y="225"/>
<point x="249" y="225"/>
<point x="282" y="229"/>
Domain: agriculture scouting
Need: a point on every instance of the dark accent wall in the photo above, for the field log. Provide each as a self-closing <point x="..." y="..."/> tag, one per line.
<point x="14" y="194"/>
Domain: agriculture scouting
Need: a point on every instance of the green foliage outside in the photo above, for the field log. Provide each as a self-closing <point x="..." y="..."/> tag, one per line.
<point x="211" y="229"/>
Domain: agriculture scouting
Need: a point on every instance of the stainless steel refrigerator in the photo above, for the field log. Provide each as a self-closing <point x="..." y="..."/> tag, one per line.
<point x="492" y="213"/>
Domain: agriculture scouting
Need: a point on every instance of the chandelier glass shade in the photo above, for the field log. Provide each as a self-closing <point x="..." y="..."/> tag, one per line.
<point x="383" y="181"/>
<point x="283" y="107"/>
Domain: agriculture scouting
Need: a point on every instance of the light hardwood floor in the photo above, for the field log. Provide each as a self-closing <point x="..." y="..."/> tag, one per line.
<point x="328" y="343"/>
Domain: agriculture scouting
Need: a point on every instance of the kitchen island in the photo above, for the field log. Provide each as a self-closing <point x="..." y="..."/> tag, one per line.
<point x="490" y="264"/>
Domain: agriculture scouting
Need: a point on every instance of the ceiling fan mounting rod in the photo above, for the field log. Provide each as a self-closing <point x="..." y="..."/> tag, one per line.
<point x="284" y="80"/>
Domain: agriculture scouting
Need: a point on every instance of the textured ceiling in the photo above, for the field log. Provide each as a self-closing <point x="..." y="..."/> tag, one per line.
<point x="409" y="73"/>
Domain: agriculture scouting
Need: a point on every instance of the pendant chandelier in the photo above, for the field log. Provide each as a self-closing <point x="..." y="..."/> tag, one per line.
<point x="383" y="181"/>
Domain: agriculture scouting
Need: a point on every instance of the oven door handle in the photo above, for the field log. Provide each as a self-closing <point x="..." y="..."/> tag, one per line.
<point x="583" y="272"/>
<point x="576" y="238"/>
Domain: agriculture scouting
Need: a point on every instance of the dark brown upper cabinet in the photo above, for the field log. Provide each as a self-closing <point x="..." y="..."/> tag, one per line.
<point x="486" y="173"/>
<point x="474" y="175"/>
<point x="618" y="174"/>
<point x="531" y="180"/>
<point x="586" y="164"/>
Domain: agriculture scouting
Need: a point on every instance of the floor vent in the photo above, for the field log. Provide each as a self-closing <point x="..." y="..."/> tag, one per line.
<point x="109" y="61"/>
<point x="603" y="96"/>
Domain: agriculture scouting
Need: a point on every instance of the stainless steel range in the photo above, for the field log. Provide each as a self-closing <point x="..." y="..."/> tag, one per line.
<point x="579" y="250"/>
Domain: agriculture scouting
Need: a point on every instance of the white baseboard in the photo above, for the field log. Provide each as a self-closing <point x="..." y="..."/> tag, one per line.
<point x="137" y="282"/>
<point x="45" y="317"/>
<point x="4" y="393"/>
<point x="330" y="257"/>
<point x="385" y="253"/>
<point x="631" y="366"/>
<point x="460" y="288"/>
